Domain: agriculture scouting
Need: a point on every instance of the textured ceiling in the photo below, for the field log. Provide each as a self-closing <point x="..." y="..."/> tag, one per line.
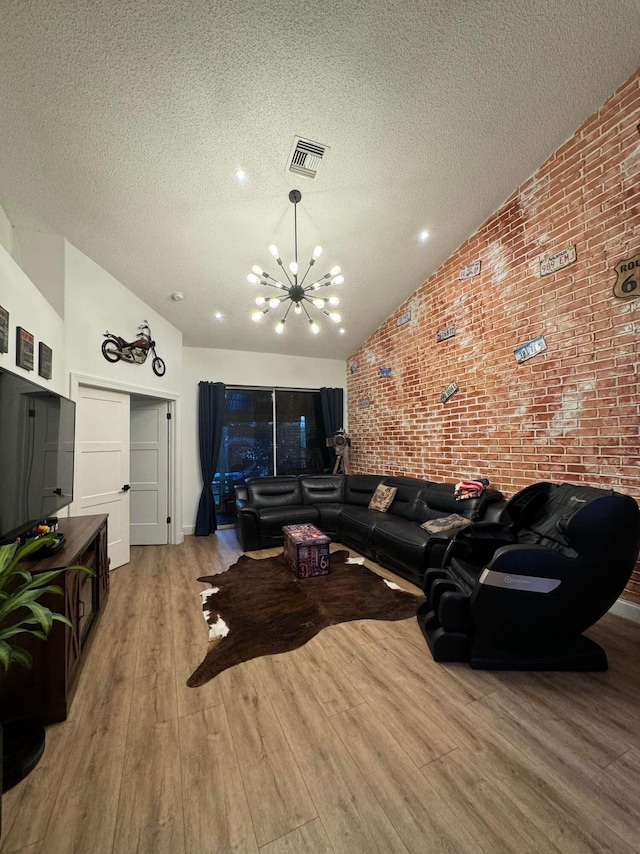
<point x="122" y="123"/>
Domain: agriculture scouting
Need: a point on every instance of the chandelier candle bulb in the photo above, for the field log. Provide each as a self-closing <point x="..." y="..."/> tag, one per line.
<point x="296" y="290"/>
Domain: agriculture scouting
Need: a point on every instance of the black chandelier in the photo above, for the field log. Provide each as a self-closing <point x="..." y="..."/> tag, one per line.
<point x="295" y="295"/>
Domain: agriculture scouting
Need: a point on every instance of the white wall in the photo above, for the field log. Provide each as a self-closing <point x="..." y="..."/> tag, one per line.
<point x="41" y="256"/>
<point x="234" y="367"/>
<point x="95" y="302"/>
<point x="5" y="231"/>
<point x="28" y="308"/>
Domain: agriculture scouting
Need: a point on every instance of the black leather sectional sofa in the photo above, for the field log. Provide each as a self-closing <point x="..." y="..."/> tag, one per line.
<point x="338" y="505"/>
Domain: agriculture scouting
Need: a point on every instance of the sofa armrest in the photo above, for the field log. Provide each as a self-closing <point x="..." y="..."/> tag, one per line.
<point x="478" y="542"/>
<point x="532" y="561"/>
<point x="247" y="526"/>
<point x="242" y="493"/>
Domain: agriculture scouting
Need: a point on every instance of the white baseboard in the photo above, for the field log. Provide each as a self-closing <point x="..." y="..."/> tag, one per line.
<point x="191" y="529"/>
<point x="626" y="609"/>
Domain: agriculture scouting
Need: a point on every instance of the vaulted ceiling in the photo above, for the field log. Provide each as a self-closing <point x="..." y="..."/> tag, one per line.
<point x="123" y="124"/>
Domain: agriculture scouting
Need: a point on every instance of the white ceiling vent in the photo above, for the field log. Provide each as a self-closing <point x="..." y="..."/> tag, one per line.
<point x="306" y="157"/>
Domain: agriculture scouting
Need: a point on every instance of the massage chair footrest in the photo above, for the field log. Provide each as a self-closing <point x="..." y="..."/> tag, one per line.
<point x="444" y="645"/>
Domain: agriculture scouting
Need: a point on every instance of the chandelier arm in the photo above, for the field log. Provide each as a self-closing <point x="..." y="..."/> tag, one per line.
<point x="273" y="279"/>
<point x="305" y="311"/>
<point x="319" y="283"/>
<point x="288" y="310"/>
<point x="306" y="274"/>
<point x="284" y="270"/>
<point x="279" y="287"/>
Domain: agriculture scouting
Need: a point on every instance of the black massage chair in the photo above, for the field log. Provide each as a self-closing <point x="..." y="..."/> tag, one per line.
<point x="517" y="594"/>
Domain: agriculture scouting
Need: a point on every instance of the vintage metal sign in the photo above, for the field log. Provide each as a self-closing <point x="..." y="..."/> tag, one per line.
<point x="385" y="372"/>
<point x="530" y="349"/>
<point x="4" y="330"/>
<point x="448" y="332"/>
<point x="558" y="261"/>
<point x="627" y="284"/>
<point x="470" y="270"/>
<point x="449" y="391"/>
<point x="405" y="317"/>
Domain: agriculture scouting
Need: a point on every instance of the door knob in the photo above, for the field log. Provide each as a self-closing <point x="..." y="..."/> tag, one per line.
<point x="126" y="487"/>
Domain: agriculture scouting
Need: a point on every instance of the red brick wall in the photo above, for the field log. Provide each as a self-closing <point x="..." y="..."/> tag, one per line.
<point x="570" y="413"/>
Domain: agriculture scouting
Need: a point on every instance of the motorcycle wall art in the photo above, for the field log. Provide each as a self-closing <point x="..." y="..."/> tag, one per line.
<point x="116" y="349"/>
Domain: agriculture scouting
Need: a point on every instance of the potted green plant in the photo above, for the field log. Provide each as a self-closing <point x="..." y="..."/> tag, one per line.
<point x="22" y="614"/>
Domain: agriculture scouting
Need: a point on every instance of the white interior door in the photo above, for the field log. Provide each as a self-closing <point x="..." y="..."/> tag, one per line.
<point x="149" y="466"/>
<point x="102" y="464"/>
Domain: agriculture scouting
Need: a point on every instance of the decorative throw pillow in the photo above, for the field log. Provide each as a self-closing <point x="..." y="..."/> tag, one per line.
<point x="382" y="498"/>
<point x="446" y="524"/>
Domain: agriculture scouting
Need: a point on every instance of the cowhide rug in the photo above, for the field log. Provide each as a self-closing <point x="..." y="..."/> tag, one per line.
<point x="259" y="607"/>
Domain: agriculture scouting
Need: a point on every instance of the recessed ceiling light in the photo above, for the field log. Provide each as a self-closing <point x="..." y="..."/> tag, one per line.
<point x="218" y="315"/>
<point x="178" y="296"/>
<point x="342" y="331"/>
<point x="241" y="176"/>
<point x="423" y="236"/>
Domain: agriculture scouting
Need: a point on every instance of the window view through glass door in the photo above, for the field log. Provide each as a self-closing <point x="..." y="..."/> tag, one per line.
<point x="248" y="450"/>
<point x="300" y="439"/>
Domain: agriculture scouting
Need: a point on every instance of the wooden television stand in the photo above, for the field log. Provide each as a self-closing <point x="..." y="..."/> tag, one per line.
<point x="44" y="692"/>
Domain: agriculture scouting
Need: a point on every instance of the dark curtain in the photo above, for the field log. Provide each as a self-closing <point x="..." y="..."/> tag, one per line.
<point x="211" y="397"/>
<point x="332" y="412"/>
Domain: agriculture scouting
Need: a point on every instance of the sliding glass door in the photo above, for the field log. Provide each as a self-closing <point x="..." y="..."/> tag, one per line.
<point x="267" y="431"/>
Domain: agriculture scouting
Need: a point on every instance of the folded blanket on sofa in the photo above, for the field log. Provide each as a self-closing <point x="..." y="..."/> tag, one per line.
<point x="470" y="488"/>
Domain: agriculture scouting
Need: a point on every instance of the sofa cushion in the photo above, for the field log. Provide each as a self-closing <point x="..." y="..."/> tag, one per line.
<point x="322" y="488"/>
<point x="401" y="545"/>
<point x="277" y="491"/>
<point x="329" y="518"/>
<point x="356" y="527"/>
<point x="358" y="488"/>
<point x="272" y="519"/>
<point x="408" y="492"/>
<point x="382" y="498"/>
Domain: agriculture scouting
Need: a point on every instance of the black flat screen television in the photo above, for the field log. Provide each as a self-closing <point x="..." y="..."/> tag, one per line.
<point x="37" y="434"/>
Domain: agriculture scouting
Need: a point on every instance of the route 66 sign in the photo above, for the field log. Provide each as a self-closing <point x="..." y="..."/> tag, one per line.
<point x="627" y="284"/>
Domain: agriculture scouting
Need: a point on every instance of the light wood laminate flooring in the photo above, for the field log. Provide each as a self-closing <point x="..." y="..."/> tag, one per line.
<point x="357" y="742"/>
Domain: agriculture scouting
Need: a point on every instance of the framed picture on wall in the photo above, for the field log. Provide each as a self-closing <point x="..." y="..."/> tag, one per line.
<point x="45" y="361"/>
<point x="24" y="349"/>
<point x="4" y="330"/>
